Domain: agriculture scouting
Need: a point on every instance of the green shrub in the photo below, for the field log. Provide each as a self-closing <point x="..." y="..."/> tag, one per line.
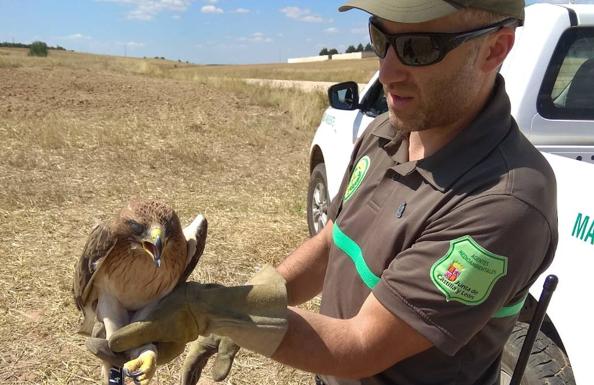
<point x="38" y="48"/>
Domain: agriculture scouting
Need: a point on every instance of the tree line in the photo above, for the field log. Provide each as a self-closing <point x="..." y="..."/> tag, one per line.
<point x="350" y="49"/>
<point x="6" y="44"/>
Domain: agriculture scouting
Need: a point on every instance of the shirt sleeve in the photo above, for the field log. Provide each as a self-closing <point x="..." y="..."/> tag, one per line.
<point x="465" y="266"/>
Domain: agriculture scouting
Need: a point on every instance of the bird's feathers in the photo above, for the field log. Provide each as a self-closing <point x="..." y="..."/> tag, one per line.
<point x="99" y="244"/>
<point x="195" y="234"/>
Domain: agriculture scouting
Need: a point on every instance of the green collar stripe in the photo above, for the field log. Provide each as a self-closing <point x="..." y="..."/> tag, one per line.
<point x="510" y="310"/>
<point x="352" y="249"/>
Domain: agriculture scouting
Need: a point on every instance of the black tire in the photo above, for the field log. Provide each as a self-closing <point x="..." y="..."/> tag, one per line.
<point x="547" y="365"/>
<point x="317" y="199"/>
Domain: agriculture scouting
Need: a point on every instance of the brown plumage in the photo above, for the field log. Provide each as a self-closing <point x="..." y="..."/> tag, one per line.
<point x="133" y="261"/>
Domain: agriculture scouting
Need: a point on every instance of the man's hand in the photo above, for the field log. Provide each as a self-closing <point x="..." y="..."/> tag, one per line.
<point x="224" y="348"/>
<point x="254" y="316"/>
<point x="99" y="347"/>
<point x="180" y="317"/>
<point x="201" y="351"/>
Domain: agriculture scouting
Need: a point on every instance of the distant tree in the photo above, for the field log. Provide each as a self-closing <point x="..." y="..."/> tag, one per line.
<point x="368" y="48"/>
<point x="350" y="49"/>
<point x="332" y="51"/>
<point x="360" y="48"/>
<point x="324" y="51"/>
<point x="38" y="48"/>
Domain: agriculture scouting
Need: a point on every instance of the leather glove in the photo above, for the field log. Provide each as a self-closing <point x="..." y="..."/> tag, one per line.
<point x="100" y="348"/>
<point x="225" y="349"/>
<point x="200" y="352"/>
<point x="254" y="316"/>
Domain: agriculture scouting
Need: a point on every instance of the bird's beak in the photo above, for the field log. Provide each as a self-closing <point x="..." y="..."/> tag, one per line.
<point x="154" y="245"/>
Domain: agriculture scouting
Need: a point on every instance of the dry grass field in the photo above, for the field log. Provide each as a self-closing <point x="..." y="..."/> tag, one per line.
<point x="81" y="134"/>
<point x="330" y="71"/>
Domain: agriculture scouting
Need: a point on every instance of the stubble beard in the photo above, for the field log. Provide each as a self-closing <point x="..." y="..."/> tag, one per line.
<point x="445" y="100"/>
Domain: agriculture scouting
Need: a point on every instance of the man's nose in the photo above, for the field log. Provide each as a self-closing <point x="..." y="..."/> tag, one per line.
<point x="391" y="69"/>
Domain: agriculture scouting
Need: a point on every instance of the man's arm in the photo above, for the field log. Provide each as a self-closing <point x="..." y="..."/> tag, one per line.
<point x="352" y="348"/>
<point x="304" y="269"/>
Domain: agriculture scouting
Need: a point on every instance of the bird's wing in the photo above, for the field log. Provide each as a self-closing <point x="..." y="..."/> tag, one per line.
<point x="99" y="244"/>
<point x="195" y="234"/>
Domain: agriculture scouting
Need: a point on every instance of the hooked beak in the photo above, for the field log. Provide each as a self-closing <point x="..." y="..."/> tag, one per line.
<point x="154" y="245"/>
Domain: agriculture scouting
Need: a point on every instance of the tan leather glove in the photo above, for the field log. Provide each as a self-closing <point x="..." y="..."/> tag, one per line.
<point x="254" y="316"/>
<point x="100" y="348"/>
<point x="200" y="352"/>
<point x="225" y="349"/>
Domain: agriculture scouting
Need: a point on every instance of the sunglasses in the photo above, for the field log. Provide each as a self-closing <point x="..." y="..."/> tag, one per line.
<point x="425" y="48"/>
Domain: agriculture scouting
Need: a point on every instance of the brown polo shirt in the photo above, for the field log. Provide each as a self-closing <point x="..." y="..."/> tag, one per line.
<point x="450" y="244"/>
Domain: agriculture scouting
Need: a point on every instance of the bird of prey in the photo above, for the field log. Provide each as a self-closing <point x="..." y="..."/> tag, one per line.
<point x="128" y="265"/>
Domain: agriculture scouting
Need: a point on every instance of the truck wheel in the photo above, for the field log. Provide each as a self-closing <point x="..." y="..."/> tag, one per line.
<point x="317" y="200"/>
<point x="547" y="365"/>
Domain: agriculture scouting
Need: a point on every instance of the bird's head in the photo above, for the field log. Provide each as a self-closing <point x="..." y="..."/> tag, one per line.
<point x="149" y="225"/>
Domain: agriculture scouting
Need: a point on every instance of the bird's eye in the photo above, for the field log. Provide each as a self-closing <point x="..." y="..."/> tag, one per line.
<point x="136" y="227"/>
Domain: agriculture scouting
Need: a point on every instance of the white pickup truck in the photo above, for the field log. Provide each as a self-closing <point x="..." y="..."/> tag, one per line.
<point x="550" y="80"/>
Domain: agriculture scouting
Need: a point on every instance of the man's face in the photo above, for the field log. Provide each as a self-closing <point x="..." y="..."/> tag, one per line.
<point x="437" y="95"/>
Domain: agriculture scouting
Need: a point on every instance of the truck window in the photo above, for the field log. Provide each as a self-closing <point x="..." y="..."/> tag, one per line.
<point x="567" y="90"/>
<point x="375" y="101"/>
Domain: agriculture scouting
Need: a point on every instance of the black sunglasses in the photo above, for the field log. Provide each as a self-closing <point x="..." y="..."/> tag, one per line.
<point x="425" y="48"/>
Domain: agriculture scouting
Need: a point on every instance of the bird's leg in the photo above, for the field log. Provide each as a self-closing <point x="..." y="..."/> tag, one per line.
<point x="143" y="360"/>
<point x="113" y="315"/>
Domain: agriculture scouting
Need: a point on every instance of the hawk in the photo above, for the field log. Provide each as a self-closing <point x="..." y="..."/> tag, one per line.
<point x="128" y="265"/>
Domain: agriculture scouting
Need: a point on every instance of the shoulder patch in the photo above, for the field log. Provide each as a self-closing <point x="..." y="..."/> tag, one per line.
<point x="357" y="177"/>
<point x="468" y="272"/>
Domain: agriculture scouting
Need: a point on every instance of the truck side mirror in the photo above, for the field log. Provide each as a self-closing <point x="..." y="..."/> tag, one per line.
<point x="344" y="96"/>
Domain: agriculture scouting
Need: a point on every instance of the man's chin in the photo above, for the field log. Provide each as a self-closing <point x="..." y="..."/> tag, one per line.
<point x="405" y="126"/>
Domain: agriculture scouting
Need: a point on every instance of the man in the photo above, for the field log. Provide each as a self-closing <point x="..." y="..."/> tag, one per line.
<point x="444" y="219"/>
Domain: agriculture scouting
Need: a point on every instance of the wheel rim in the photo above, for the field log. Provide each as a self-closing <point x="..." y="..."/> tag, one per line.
<point x="319" y="207"/>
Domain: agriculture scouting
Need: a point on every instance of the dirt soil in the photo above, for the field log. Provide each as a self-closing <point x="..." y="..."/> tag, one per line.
<point x="77" y="143"/>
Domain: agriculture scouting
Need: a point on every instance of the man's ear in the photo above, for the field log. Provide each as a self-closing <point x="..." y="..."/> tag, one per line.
<point x="496" y="49"/>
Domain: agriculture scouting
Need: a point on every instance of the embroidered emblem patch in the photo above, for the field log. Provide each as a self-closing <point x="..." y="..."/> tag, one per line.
<point x="468" y="272"/>
<point x="357" y="177"/>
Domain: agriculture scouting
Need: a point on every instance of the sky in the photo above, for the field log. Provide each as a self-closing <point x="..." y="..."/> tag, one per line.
<point x="197" y="31"/>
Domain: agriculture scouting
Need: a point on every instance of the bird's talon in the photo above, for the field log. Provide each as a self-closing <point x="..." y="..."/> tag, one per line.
<point x="133" y="374"/>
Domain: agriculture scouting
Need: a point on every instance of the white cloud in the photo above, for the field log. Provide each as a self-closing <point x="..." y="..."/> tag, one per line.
<point x="76" y="36"/>
<point x="211" y="9"/>
<point x="212" y="1"/>
<point x="301" y="14"/>
<point x="257" y="37"/>
<point x="148" y="9"/>
<point x="242" y="10"/>
<point x="359" y="31"/>
<point x="133" y="44"/>
<point x="331" y="30"/>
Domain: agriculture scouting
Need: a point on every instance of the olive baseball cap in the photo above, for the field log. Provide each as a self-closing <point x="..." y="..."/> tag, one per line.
<point x="417" y="11"/>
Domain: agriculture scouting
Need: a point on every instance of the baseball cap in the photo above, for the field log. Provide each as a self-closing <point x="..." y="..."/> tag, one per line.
<point x="417" y="11"/>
